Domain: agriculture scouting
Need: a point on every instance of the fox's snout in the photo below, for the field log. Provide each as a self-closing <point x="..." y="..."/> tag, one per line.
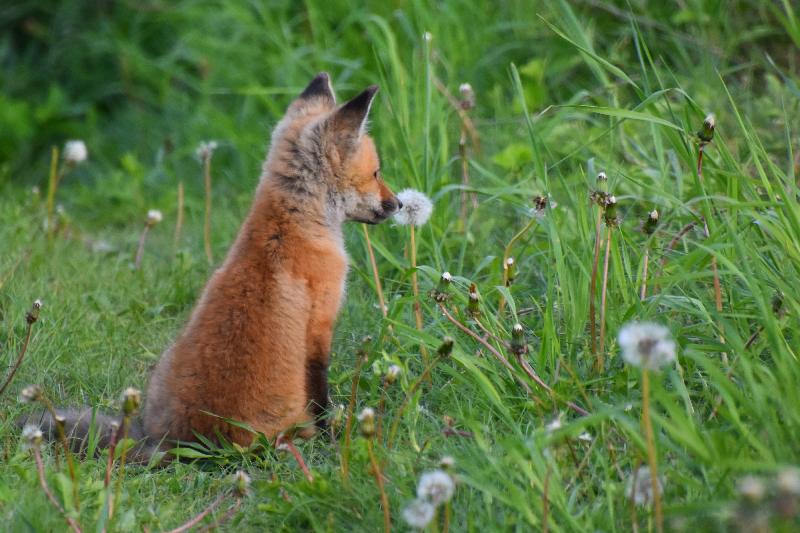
<point x="391" y="206"/>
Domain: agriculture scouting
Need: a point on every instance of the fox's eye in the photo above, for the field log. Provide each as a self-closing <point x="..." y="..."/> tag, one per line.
<point x="375" y="174"/>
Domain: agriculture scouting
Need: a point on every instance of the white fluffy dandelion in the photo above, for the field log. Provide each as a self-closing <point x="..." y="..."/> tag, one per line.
<point x="392" y="373"/>
<point x="418" y="514"/>
<point x="646" y="345"/>
<point x="30" y="394"/>
<point x="788" y="481"/>
<point x="154" y="216"/>
<point x="417" y="208"/>
<point x="75" y="152"/>
<point x="751" y="488"/>
<point x="205" y="149"/>
<point x="241" y="483"/>
<point x="436" y="487"/>
<point x="640" y="487"/>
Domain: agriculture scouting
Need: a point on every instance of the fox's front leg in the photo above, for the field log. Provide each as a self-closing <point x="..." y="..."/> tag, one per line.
<point x="317" y="360"/>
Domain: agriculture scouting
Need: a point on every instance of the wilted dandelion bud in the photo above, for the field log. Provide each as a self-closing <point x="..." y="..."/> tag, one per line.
<point x="751" y="489"/>
<point x="473" y="305"/>
<point x="446" y="348"/>
<point x="205" y="150"/>
<point x="338" y="416"/>
<point x="427" y="36"/>
<point x="367" y="420"/>
<point x="518" y="344"/>
<point x="646" y="345"/>
<point x="600" y="198"/>
<point x="154" y="216"/>
<point x="640" y="487"/>
<point x="31" y="393"/>
<point x="392" y="373"/>
<point x="650" y="224"/>
<point x="241" y="483"/>
<point x="418" y="514"/>
<point x="61" y="423"/>
<point x="417" y="208"/>
<point x="610" y="213"/>
<point x="131" y="401"/>
<point x="510" y="267"/>
<point x="706" y="134"/>
<point x="75" y="152"/>
<point x="602" y="179"/>
<point x="467" y="96"/>
<point x="540" y="206"/>
<point x="439" y="293"/>
<point x="33" y="315"/>
<point x="436" y="487"/>
<point x="447" y="463"/>
<point x="35" y="191"/>
<point x="32" y="436"/>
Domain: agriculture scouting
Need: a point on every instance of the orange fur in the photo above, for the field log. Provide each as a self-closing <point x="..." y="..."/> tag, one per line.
<point x="256" y="346"/>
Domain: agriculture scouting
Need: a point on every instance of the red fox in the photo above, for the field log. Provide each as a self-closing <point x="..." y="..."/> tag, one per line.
<point x="256" y="346"/>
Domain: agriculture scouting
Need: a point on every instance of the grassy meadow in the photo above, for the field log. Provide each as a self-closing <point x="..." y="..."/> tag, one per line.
<point x="548" y="441"/>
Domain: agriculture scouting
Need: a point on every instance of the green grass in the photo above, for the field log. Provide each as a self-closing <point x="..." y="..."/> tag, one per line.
<point x="564" y="90"/>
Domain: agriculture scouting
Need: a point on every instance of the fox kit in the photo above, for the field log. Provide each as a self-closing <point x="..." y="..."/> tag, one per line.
<point x="256" y="346"/>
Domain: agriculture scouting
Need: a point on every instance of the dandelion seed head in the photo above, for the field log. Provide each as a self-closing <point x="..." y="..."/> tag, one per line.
<point x="154" y="216"/>
<point x="417" y="208"/>
<point x="447" y="462"/>
<point x="131" y="400"/>
<point x="710" y="121"/>
<point x="751" y="489"/>
<point x="30" y="394"/>
<point x="392" y="373"/>
<point x="242" y="483"/>
<point x="436" y="487"/>
<point x="418" y="514"/>
<point x="554" y="425"/>
<point x="788" y="481"/>
<point x="467" y="96"/>
<point x="585" y="437"/>
<point x="75" y="152"/>
<point x="366" y="419"/>
<point x="447" y="277"/>
<point x="427" y="36"/>
<point x="205" y="149"/>
<point x="646" y="345"/>
<point x="640" y="486"/>
<point x="32" y="435"/>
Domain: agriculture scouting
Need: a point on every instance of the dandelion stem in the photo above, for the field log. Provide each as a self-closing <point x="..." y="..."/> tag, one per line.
<point x="651" y="450"/>
<point x="52" y="185"/>
<point x="123" y="455"/>
<point x="375" y="276"/>
<point x="409" y="393"/>
<point x="348" y="424"/>
<point x="506" y="254"/>
<point x="376" y="471"/>
<point x="207" y="221"/>
<point x="446" y="526"/>
<point x="197" y="519"/>
<point x="600" y="357"/>
<point x="224" y="518"/>
<point x="283" y="440"/>
<point x="140" y="249"/>
<point x="593" y="285"/>
<point x="643" y="291"/>
<point x="415" y="290"/>
<point x="179" y="221"/>
<point x="30" y="320"/>
<point x="37" y="454"/>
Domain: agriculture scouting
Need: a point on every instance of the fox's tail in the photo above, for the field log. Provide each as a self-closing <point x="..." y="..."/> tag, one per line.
<point x="86" y="428"/>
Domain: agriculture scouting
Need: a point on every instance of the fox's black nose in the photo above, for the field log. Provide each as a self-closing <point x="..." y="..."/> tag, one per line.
<point x="392" y="206"/>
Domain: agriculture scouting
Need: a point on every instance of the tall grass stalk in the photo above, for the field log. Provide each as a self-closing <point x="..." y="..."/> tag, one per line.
<point x="652" y="458"/>
<point x="376" y="278"/>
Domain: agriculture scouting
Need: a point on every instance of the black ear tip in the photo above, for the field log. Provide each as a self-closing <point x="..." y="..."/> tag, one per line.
<point x="319" y="86"/>
<point x="372" y="89"/>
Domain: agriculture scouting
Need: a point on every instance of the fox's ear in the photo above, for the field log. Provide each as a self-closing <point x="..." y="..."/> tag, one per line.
<point x="349" y="122"/>
<point x="320" y="87"/>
